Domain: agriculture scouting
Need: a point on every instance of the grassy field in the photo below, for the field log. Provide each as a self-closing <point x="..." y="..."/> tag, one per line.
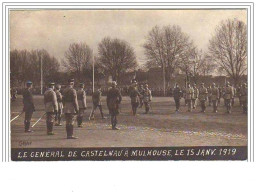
<point x="161" y="127"/>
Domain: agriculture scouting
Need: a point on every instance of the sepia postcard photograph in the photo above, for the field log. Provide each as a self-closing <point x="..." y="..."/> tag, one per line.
<point x="128" y="83"/>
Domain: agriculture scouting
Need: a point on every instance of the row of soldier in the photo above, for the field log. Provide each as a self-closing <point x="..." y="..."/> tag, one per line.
<point x="213" y="94"/>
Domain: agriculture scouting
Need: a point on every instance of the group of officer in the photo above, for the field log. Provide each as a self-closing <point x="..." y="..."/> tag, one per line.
<point x="212" y="94"/>
<point x="72" y="102"/>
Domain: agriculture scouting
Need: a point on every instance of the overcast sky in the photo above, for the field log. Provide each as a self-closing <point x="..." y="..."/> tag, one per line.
<point x="55" y="30"/>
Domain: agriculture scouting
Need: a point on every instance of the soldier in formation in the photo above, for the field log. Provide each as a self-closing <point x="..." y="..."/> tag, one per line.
<point x="177" y="94"/>
<point x="243" y="94"/>
<point x="28" y="106"/>
<point x="71" y="108"/>
<point x="209" y="89"/>
<point x="203" y="97"/>
<point x="81" y="98"/>
<point x="215" y="97"/>
<point x="51" y="107"/>
<point x="97" y="103"/>
<point x="60" y="105"/>
<point x="135" y="97"/>
<point x="228" y="95"/>
<point x="189" y="96"/>
<point x="114" y="98"/>
<point x="147" y="98"/>
<point x="195" y="96"/>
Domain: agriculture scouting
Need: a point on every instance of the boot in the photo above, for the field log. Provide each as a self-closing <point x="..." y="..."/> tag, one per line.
<point x="70" y="135"/>
<point x="50" y="129"/>
<point x="79" y="121"/>
<point x="27" y="126"/>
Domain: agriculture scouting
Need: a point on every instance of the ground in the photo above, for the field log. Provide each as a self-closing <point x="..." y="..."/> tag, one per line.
<point x="161" y="127"/>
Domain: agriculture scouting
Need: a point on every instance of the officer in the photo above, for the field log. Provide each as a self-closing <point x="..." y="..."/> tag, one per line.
<point x="81" y="98"/>
<point x="243" y="94"/>
<point x="114" y="98"/>
<point x="195" y="96"/>
<point x="147" y="97"/>
<point x="28" y="106"/>
<point x="51" y="107"/>
<point x="135" y="97"/>
<point x="229" y="94"/>
<point x="177" y="94"/>
<point x="189" y="96"/>
<point x="96" y="100"/>
<point x="141" y="91"/>
<point x="70" y="107"/>
<point x="60" y="105"/>
<point x="203" y="97"/>
<point x="210" y="95"/>
<point x="215" y="97"/>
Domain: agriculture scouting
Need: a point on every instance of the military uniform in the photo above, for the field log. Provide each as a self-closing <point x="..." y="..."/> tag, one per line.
<point x="81" y="98"/>
<point x="71" y="108"/>
<point x="195" y="97"/>
<point x="28" y="107"/>
<point x="114" y="98"/>
<point x="209" y="95"/>
<point x="229" y="94"/>
<point x="141" y="91"/>
<point x="233" y="98"/>
<point x="51" y="108"/>
<point x="147" y="97"/>
<point x="215" y="98"/>
<point x="135" y="99"/>
<point x="96" y="100"/>
<point x="60" y="108"/>
<point x="177" y="94"/>
<point x="243" y="94"/>
<point x="189" y="97"/>
<point x="203" y="97"/>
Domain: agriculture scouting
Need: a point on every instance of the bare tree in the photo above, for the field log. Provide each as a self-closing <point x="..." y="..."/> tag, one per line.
<point x="169" y="48"/>
<point x="228" y="48"/>
<point x="78" y="59"/>
<point x="116" y="57"/>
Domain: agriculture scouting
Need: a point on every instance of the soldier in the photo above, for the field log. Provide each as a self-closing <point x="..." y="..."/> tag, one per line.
<point x="243" y="94"/>
<point x="195" y="96"/>
<point x="223" y="96"/>
<point x="189" y="96"/>
<point x="70" y="108"/>
<point x="28" y="106"/>
<point x="215" y="97"/>
<point x="135" y="97"/>
<point x="203" y="97"/>
<point x="210" y="95"/>
<point x="233" y="98"/>
<point x="51" y="107"/>
<point x="114" y="98"/>
<point x="141" y="91"/>
<point x="60" y="105"/>
<point x="229" y="94"/>
<point x="239" y="94"/>
<point x="177" y="94"/>
<point x="147" y="97"/>
<point x="81" y="98"/>
<point x="220" y="94"/>
<point x="96" y="100"/>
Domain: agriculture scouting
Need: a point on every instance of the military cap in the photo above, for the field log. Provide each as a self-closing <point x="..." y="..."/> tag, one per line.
<point x="81" y="84"/>
<point x="71" y="80"/>
<point x="51" y="83"/>
<point x="29" y="82"/>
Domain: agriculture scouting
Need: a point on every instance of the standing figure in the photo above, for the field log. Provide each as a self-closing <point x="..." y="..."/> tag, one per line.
<point x="147" y="97"/>
<point x="28" y="106"/>
<point x="203" y="97"/>
<point x="114" y="98"/>
<point x="13" y="94"/>
<point x="243" y="95"/>
<point x="238" y="92"/>
<point x="141" y="91"/>
<point x="223" y="96"/>
<point x="135" y="98"/>
<point x="215" y="97"/>
<point x="71" y="108"/>
<point x="195" y="96"/>
<point x="233" y="98"/>
<point x="96" y="100"/>
<point x="60" y="105"/>
<point x="177" y="94"/>
<point x="210" y="95"/>
<point x="229" y="94"/>
<point x="81" y="98"/>
<point x="220" y="94"/>
<point x="51" y="107"/>
<point x="189" y="96"/>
